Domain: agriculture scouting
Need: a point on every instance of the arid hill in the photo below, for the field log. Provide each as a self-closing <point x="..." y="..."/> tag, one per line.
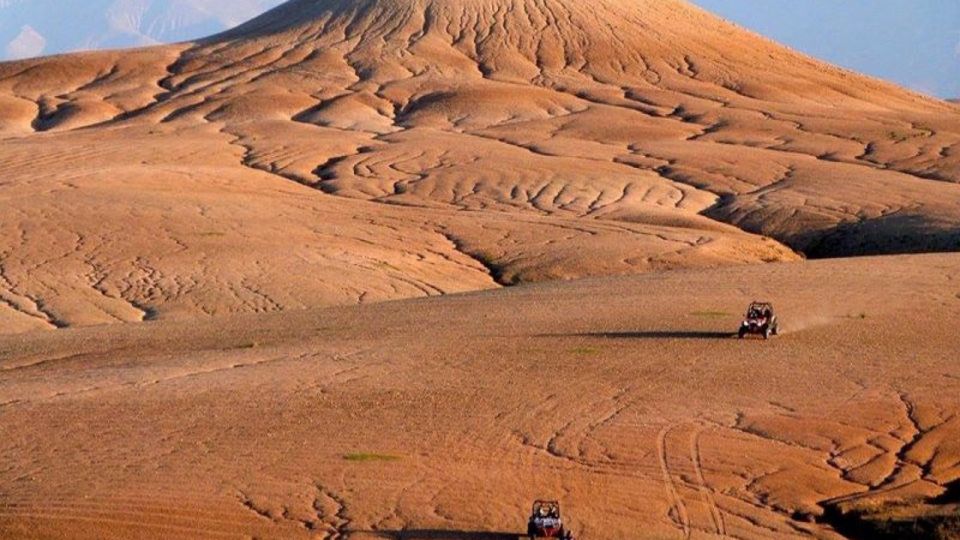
<point x="257" y="196"/>
<point x="443" y="418"/>
<point x="336" y="152"/>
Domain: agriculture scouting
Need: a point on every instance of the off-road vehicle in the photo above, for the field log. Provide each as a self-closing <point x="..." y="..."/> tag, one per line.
<point x="545" y="522"/>
<point x="761" y="320"/>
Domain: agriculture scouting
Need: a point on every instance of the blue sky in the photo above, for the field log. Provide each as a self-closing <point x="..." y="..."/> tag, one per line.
<point x="915" y="43"/>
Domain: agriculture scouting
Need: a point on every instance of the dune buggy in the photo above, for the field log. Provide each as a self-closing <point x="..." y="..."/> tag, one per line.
<point x="761" y="320"/>
<point x="545" y="521"/>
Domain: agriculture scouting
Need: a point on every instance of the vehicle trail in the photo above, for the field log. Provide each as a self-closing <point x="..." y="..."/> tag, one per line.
<point x="679" y="512"/>
<point x="696" y="457"/>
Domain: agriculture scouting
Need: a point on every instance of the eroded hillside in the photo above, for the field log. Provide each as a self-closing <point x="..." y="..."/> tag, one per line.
<point x="337" y="152"/>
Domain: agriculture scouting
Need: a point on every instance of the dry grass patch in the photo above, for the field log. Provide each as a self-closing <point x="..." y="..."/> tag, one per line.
<point x="367" y="457"/>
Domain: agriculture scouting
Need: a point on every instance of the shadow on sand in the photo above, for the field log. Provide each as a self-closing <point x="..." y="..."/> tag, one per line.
<point x="649" y="335"/>
<point x="436" y="534"/>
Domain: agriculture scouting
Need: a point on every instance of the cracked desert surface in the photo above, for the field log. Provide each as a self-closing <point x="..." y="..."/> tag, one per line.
<point x="396" y="268"/>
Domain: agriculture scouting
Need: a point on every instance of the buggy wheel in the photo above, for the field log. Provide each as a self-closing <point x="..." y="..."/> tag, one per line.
<point x="741" y="333"/>
<point x="766" y="333"/>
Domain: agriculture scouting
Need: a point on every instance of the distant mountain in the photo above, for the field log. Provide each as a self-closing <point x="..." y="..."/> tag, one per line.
<point x="35" y="27"/>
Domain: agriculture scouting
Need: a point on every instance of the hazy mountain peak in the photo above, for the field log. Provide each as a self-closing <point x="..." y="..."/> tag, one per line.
<point x="28" y="43"/>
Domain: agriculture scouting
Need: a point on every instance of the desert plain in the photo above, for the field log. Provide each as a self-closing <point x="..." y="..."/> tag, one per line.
<point x="396" y="268"/>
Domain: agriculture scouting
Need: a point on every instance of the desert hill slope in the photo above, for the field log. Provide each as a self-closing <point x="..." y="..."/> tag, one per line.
<point x="443" y="418"/>
<point x="511" y="140"/>
<point x="258" y="196"/>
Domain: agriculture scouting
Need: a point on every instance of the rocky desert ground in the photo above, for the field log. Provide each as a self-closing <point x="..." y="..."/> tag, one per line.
<point x="395" y="268"/>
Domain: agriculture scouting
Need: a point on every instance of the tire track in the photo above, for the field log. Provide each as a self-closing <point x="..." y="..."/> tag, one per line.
<point x="696" y="458"/>
<point x="679" y="509"/>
